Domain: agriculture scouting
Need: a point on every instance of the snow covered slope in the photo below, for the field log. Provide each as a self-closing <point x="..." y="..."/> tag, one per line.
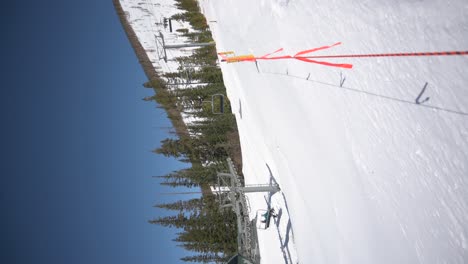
<point x="369" y="176"/>
<point x="146" y="18"/>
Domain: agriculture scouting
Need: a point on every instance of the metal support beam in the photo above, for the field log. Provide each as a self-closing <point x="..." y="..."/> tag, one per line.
<point x="164" y="45"/>
<point x="176" y="46"/>
<point x="231" y="193"/>
<point x="187" y="45"/>
<point x="260" y="188"/>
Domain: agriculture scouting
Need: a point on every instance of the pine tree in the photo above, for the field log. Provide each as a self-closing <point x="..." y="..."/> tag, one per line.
<point x="203" y="258"/>
<point x="171" y="147"/>
<point x="171" y="221"/>
<point x="195" y="204"/>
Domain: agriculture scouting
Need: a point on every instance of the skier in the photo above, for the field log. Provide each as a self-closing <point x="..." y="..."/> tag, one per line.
<point x="266" y="215"/>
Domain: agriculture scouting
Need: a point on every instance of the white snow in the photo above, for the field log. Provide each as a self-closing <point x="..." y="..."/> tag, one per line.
<point x="367" y="175"/>
<point x="146" y="18"/>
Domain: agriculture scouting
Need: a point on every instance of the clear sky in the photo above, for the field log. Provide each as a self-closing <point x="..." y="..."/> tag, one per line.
<point x="76" y="140"/>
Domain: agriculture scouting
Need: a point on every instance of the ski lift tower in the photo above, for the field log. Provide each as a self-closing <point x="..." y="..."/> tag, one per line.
<point x="161" y="45"/>
<point x="231" y="193"/>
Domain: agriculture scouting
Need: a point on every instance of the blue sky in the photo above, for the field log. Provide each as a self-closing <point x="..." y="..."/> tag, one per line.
<point x="76" y="165"/>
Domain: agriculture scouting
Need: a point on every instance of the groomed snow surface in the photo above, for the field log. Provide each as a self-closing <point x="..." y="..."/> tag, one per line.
<point x="367" y="175"/>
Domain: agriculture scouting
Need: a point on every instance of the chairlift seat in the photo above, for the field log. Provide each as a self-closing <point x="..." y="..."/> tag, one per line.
<point x="263" y="218"/>
<point x="221" y="104"/>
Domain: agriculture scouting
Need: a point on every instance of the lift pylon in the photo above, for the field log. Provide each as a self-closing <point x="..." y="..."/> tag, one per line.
<point x="162" y="46"/>
<point x="231" y="193"/>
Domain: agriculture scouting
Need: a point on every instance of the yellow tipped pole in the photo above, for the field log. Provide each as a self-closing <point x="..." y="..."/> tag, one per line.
<point x="249" y="57"/>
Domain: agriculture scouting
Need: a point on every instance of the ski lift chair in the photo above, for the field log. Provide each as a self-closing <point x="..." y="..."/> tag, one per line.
<point x="263" y="219"/>
<point x="214" y="98"/>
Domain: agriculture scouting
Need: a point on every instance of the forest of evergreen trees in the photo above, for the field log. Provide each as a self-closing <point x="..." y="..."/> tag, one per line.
<point x="205" y="143"/>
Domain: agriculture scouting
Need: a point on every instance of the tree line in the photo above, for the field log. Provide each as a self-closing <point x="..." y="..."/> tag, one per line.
<point x="205" y="143"/>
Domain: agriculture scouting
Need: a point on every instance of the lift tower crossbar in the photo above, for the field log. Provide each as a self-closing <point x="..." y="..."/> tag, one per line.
<point x="177" y="46"/>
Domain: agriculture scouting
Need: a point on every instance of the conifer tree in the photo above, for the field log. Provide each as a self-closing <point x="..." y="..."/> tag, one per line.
<point x="171" y="221"/>
<point x="190" y="205"/>
<point x="203" y="258"/>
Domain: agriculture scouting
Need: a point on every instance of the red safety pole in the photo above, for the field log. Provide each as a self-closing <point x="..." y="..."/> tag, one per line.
<point x="301" y="56"/>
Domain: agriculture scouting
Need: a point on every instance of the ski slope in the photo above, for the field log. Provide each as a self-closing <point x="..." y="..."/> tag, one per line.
<point x="146" y="17"/>
<point x="367" y="174"/>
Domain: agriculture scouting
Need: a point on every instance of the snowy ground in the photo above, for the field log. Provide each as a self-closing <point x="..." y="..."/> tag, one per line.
<point x="145" y="17"/>
<point x="147" y="20"/>
<point x="369" y="176"/>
